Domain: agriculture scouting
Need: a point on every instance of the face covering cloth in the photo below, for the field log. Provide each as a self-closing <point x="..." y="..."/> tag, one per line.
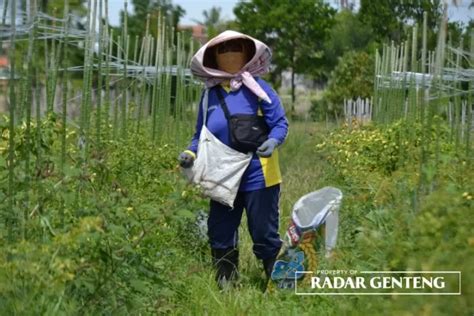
<point x="258" y="65"/>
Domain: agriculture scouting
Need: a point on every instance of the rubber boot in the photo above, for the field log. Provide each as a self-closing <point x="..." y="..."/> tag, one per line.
<point x="226" y="263"/>
<point x="268" y="266"/>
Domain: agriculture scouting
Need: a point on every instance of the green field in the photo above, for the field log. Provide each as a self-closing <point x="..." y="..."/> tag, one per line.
<point x="122" y="241"/>
<point x="96" y="217"/>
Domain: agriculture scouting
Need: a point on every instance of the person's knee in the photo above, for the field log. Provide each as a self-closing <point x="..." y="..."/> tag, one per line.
<point x="220" y="238"/>
<point x="266" y="243"/>
<point x="268" y="250"/>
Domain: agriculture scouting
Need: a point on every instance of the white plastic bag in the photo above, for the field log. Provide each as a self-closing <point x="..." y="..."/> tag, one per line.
<point x="218" y="169"/>
<point x="318" y="208"/>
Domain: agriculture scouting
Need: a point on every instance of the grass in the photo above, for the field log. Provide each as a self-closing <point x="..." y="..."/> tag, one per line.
<point x="137" y="207"/>
<point x="116" y="239"/>
<point x="372" y="236"/>
<point x="302" y="173"/>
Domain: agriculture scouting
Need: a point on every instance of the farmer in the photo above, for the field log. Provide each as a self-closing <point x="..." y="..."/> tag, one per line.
<point x="230" y="64"/>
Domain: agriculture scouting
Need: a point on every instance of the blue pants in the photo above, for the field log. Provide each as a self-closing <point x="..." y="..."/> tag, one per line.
<point x="262" y="219"/>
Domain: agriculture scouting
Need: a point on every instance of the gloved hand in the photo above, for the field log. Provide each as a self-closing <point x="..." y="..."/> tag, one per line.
<point x="266" y="149"/>
<point x="186" y="159"/>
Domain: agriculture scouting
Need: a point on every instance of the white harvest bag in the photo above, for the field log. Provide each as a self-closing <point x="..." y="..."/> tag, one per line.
<point x="317" y="208"/>
<point x="218" y="169"/>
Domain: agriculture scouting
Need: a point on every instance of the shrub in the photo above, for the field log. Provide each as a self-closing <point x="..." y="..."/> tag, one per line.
<point x="352" y="78"/>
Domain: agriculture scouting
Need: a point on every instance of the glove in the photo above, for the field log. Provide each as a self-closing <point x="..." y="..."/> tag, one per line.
<point x="266" y="149"/>
<point x="186" y="159"/>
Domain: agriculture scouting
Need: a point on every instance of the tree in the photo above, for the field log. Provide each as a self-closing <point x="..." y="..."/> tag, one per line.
<point x="458" y="31"/>
<point x="388" y="18"/>
<point x="213" y="22"/>
<point x="348" y="33"/>
<point x="295" y="31"/>
<point x="136" y="23"/>
<point x="353" y="77"/>
<point x="56" y="7"/>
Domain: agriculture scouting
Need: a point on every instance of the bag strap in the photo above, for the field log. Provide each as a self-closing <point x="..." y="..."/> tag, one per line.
<point x="205" y="101"/>
<point x="224" y="105"/>
<point x="222" y="102"/>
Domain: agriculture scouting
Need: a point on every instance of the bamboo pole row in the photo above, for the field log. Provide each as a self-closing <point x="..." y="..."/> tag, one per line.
<point x="148" y="91"/>
<point x="432" y="89"/>
<point x="408" y="87"/>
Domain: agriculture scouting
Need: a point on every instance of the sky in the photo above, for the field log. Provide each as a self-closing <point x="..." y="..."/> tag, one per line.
<point x="194" y="9"/>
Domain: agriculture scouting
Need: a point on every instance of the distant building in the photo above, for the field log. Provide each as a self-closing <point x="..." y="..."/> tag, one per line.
<point x="5" y="45"/>
<point x="303" y="83"/>
<point x="4" y="68"/>
<point x="4" y="75"/>
<point x="4" y="78"/>
<point x="198" y="32"/>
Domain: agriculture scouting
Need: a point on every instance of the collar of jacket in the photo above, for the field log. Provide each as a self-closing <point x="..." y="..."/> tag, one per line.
<point x="226" y="86"/>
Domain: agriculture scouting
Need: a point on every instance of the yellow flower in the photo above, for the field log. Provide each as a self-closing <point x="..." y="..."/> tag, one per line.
<point x="470" y="241"/>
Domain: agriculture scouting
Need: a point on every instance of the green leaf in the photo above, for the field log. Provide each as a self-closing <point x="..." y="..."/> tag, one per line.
<point x="71" y="171"/>
<point x="185" y="213"/>
<point x="139" y="285"/>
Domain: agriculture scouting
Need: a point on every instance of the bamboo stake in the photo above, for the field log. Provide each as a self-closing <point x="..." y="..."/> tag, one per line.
<point x="28" y="66"/>
<point x="10" y="218"/>
<point x="99" y="78"/>
<point x="157" y="82"/>
<point x="108" y="40"/>
<point x="125" y="38"/>
<point x="470" y="113"/>
<point x="64" y="65"/>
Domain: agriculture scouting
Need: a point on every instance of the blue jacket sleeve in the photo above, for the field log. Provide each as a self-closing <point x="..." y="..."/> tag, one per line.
<point x="274" y="114"/>
<point x="195" y="140"/>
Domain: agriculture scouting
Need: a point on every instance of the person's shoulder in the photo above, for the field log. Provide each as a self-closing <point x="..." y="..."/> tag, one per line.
<point x="266" y="86"/>
<point x="263" y="83"/>
<point x="261" y="80"/>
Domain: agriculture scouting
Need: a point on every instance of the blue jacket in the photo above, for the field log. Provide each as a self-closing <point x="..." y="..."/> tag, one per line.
<point x="262" y="172"/>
